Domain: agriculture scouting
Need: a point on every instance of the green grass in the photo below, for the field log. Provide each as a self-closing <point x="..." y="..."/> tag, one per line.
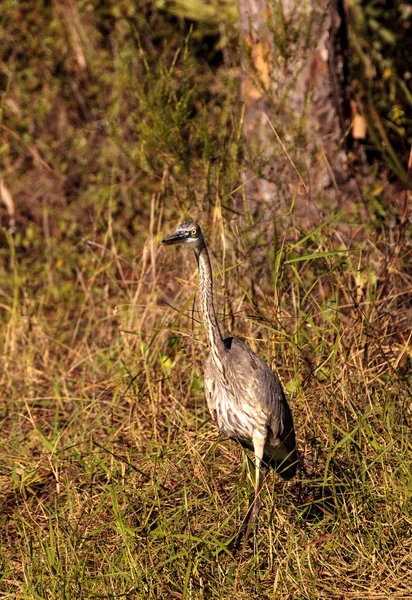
<point x="114" y="483"/>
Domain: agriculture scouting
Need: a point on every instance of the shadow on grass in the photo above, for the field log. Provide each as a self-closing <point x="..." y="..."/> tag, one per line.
<point x="321" y="497"/>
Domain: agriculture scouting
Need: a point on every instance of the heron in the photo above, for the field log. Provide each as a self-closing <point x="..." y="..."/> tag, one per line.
<point x="244" y="396"/>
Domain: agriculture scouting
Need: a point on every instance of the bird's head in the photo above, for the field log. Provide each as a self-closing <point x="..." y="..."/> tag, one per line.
<point x="187" y="233"/>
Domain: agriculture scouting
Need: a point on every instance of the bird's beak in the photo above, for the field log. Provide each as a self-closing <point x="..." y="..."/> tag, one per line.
<point x="176" y="238"/>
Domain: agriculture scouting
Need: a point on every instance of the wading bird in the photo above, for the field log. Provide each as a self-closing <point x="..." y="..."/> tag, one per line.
<point x="244" y="396"/>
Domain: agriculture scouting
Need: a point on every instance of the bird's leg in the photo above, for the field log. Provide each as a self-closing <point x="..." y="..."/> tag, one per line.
<point x="259" y="446"/>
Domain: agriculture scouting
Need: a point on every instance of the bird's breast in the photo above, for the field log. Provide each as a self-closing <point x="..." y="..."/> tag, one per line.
<point x="237" y="418"/>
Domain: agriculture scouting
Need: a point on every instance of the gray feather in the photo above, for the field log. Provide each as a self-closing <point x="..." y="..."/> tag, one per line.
<point x="252" y="398"/>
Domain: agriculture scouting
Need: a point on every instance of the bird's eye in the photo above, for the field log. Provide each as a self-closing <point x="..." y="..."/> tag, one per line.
<point x="193" y="232"/>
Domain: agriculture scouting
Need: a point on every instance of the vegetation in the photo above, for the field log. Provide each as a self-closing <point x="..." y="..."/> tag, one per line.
<point x="118" y="122"/>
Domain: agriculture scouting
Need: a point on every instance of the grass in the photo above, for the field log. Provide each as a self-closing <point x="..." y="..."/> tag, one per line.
<point x="114" y="482"/>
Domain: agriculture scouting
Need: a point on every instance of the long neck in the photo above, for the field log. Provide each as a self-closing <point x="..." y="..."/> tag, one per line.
<point x="207" y="309"/>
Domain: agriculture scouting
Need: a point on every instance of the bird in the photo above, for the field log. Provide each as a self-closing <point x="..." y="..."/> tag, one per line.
<point x="244" y="396"/>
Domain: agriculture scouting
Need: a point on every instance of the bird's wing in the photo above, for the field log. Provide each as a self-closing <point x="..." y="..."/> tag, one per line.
<point x="260" y="386"/>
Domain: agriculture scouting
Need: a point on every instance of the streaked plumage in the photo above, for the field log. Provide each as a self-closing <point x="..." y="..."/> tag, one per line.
<point x="253" y="401"/>
<point x="244" y="396"/>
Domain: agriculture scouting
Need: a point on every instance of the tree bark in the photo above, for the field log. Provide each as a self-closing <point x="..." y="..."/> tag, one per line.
<point x="294" y="70"/>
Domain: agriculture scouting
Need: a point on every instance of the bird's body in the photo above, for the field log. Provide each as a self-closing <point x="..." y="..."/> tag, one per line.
<point x="252" y="404"/>
<point x="244" y="396"/>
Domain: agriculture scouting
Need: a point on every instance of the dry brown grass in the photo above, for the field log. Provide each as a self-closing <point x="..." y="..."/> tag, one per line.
<point x="114" y="483"/>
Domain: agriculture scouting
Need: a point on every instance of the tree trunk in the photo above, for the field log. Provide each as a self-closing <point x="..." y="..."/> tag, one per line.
<point x="295" y="72"/>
